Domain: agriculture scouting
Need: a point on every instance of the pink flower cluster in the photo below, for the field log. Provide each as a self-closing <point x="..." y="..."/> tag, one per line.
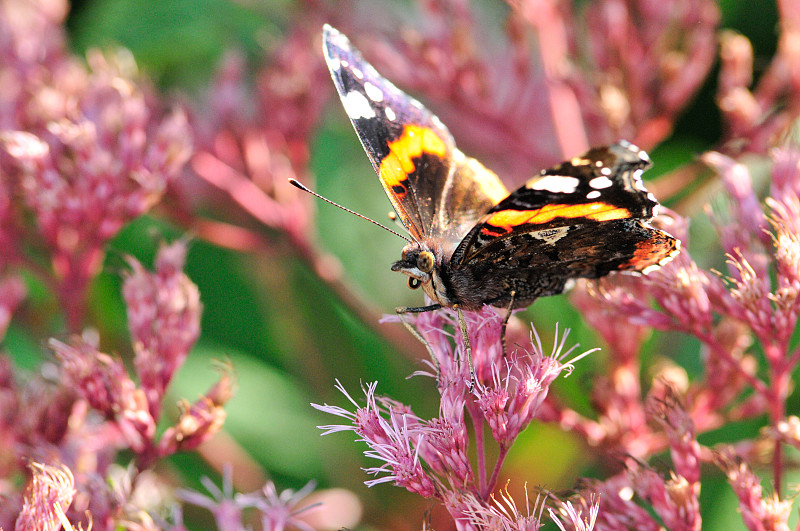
<point x="83" y="151"/>
<point x="754" y="305"/>
<point x="278" y="510"/>
<point x="86" y="147"/>
<point x="431" y="457"/>
<point x="96" y="409"/>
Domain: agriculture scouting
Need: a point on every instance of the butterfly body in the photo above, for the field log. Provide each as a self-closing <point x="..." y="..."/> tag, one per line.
<point x="474" y="243"/>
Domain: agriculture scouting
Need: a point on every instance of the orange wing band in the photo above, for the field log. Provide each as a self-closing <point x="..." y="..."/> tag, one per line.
<point x="506" y="220"/>
<point x="399" y="163"/>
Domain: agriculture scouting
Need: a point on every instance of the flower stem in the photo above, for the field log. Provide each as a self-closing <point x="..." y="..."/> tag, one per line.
<point x="780" y="374"/>
<point x="480" y="448"/>
<point x="496" y="472"/>
<point x="757" y="385"/>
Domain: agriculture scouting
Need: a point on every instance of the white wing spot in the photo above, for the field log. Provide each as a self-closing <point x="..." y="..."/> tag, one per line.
<point x="374" y="93"/>
<point x="637" y="181"/>
<point x="598" y="183"/>
<point x="649" y="269"/>
<point x="605" y="170"/>
<point x="556" y="184"/>
<point x="550" y="236"/>
<point x="356" y="106"/>
<point x="345" y="63"/>
<point x="390" y="114"/>
<point x="334" y="63"/>
<point x="594" y="194"/>
<point x="357" y="72"/>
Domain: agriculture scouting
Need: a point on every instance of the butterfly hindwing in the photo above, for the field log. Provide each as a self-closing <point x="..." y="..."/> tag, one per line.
<point x="539" y="263"/>
<point x="583" y="218"/>
<point x="599" y="186"/>
<point x="470" y="191"/>
<point x="428" y="181"/>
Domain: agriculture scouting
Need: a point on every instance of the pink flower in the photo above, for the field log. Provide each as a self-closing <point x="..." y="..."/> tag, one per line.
<point x="104" y="161"/>
<point x="164" y="318"/>
<point x="49" y="495"/>
<point x="758" y="512"/>
<point x="278" y="509"/>
<point x="519" y="386"/>
<point x="222" y="503"/>
<point x="104" y="382"/>
<point x="444" y="441"/>
<point x="12" y="293"/>
<point x="392" y="438"/>
<point x="571" y="517"/>
<point x="503" y="513"/>
<point x="431" y="457"/>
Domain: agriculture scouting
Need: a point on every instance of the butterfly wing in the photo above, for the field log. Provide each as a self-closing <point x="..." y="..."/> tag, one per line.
<point x="583" y="218"/>
<point x="427" y="179"/>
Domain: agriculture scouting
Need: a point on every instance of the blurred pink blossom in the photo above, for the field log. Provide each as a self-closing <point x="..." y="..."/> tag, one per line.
<point x="49" y="496"/>
<point x="106" y="160"/>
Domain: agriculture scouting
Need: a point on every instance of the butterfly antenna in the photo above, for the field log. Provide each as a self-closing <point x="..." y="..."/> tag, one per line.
<point x="301" y="186"/>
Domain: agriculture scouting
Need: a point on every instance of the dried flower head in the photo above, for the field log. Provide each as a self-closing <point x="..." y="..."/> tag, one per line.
<point x="199" y="421"/>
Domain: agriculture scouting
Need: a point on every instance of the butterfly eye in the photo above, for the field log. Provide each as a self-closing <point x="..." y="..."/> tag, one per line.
<point x="413" y="283"/>
<point x="425" y="261"/>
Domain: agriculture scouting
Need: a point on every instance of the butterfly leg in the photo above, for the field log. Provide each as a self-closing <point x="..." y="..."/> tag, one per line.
<point x="419" y="309"/>
<point x="505" y="322"/>
<point x="462" y="324"/>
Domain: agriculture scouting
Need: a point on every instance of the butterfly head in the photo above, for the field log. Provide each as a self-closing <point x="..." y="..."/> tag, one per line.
<point x="420" y="262"/>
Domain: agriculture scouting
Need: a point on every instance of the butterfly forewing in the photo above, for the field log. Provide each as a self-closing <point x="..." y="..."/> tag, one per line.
<point x="408" y="146"/>
<point x="434" y="188"/>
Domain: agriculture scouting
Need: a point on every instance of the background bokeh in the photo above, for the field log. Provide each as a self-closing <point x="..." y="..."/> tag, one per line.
<point x="288" y="333"/>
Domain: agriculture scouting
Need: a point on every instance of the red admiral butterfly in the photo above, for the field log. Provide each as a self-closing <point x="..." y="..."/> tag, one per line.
<point x="472" y="242"/>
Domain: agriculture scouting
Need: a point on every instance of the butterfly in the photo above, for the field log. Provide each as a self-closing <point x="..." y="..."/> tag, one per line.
<point x="472" y="242"/>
